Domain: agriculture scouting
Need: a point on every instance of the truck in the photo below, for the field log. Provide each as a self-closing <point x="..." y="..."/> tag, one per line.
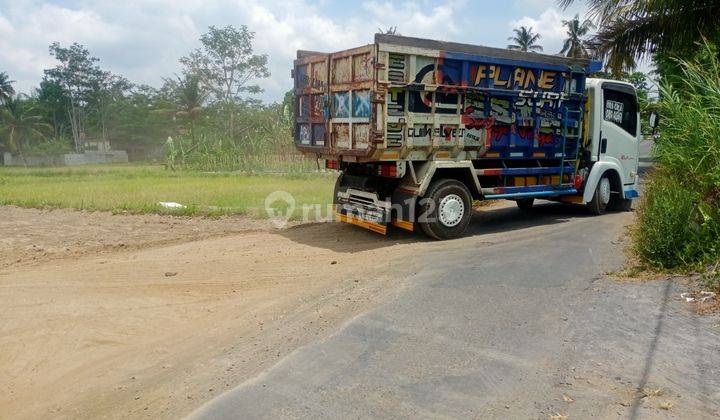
<point x="421" y="129"/>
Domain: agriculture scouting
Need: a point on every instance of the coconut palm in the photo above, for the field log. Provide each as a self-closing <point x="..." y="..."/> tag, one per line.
<point x="524" y="40"/>
<point x="189" y="97"/>
<point x="574" y="45"/>
<point x="632" y="29"/>
<point x="392" y="30"/>
<point x="6" y="89"/>
<point x="19" y="124"/>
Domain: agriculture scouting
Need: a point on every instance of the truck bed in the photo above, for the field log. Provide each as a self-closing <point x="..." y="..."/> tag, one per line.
<point x="404" y="98"/>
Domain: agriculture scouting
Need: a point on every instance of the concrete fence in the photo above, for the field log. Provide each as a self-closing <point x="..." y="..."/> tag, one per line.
<point x="69" y="159"/>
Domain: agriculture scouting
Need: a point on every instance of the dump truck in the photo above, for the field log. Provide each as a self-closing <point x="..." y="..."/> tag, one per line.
<point x="420" y="129"/>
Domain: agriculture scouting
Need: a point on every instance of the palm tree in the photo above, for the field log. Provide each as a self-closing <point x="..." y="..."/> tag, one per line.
<point x="631" y="29"/>
<point x="574" y="45"/>
<point x="19" y="124"/>
<point x="392" y="30"/>
<point x="6" y="89"/>
<point x="189" y="96"/>
<point x="524" y="40"/>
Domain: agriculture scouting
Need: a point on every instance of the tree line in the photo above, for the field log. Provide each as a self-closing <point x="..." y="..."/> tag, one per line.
<point x="575" y="45"/>
<point x="628" y="31"/>
<point x="206" y="109"/>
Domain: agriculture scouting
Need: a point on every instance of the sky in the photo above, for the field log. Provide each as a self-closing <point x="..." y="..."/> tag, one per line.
<point x="143" y="40"/>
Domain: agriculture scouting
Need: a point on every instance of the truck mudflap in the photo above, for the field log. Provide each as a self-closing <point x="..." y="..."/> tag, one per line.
<point x="349" y="214"/>
<point x="364" y="209"/>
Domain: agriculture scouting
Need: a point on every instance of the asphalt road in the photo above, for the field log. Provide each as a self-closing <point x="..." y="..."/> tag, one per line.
<point x="516" y="320"/>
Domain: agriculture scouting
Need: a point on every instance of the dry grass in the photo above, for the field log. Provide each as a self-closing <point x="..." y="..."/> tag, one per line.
<point x="710" y="307"/>
<point x="667" y="405"/>
<point x="650" y="392"/>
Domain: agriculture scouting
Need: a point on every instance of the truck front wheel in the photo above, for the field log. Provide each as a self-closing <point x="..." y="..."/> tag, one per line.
<point x="445" y="209"/>
<point x="601" y="198"/>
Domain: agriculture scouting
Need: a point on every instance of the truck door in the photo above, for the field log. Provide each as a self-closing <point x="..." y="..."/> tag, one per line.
<point x="620" y="128"/>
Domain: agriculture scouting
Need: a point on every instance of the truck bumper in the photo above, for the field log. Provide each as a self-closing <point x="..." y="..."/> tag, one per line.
<point x="632" y="191"/>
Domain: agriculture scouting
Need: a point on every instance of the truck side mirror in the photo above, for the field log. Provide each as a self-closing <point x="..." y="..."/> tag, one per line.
<point x="654" y="120"/>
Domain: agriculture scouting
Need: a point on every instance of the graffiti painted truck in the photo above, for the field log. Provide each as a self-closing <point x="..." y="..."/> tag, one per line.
<point x="421" y="128"/>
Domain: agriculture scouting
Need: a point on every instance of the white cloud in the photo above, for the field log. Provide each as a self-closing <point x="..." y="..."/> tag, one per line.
<point x="51" y="22"/>
<point x="530" y="6"/>
<point x="143" y="40"/>
<point x="5" y="26"/>
<point x="413" y="19"/>
<point x="26" y="33"/>
<point x="549" y="26"/>
<point x="283" y="28"/>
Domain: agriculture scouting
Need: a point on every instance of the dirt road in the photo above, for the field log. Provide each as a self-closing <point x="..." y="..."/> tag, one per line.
<point x="144" y="316"/>
<point x="31" y="236"/>
<point x="140" y="316"/>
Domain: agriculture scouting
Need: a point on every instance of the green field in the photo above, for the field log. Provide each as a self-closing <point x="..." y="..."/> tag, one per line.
<point x="139" y="189"/>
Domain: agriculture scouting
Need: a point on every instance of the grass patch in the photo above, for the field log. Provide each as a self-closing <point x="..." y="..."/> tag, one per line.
<point x="139" y="189"/>
<point x="667" y="236"/>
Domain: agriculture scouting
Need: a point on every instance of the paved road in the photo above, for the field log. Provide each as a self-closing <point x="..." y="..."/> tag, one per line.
<point x="515" y="320"/>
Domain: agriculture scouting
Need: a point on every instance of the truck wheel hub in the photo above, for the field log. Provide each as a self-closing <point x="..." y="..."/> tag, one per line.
<point x="605" y="190"/>
<point x="451" y="210"/>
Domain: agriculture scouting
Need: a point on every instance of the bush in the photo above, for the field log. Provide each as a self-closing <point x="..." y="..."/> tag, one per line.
<point x="679" y="222"/>
<point x="669" y="234"/>
<point x="51" y="147"/>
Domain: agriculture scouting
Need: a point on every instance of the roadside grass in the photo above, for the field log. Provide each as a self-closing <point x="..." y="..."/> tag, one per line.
<point x="667" y="236"/>
<point x="139" y="189"/>
<point x="679" y="219"/>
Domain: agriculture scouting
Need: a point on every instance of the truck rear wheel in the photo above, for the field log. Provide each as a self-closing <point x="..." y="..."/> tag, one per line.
<point x="338" y="187"/>
<point x="601" y="198"/>
<point x="445" y="209"/>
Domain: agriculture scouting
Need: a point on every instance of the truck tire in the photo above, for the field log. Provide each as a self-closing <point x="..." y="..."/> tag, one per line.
<point x="345" y="181"/>
<point x="525" y="204"/>
<point x="445" y="209"/>
<point x="601" y="198"/>
<point x="338" y="188"/>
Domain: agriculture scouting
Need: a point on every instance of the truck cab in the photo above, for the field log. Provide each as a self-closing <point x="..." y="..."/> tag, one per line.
<point x="615" y="135"/>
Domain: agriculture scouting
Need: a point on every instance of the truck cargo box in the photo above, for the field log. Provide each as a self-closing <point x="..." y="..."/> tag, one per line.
<point x="413" y="99"/>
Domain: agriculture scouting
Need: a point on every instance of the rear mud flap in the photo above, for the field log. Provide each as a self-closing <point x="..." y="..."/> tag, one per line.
<point x="365" y="209"/>
<point x="356" y="220"/>
<point x="362" y="208"/>
<point x="346" y="215"/>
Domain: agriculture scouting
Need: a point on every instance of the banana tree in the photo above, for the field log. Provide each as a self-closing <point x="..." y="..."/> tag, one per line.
<point x="19" y="125"/>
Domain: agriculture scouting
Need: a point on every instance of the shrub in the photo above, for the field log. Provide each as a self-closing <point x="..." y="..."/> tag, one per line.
<point x="51" y="147"/>
<point x="668" y="236"/>
<point x="679" y="222"/>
